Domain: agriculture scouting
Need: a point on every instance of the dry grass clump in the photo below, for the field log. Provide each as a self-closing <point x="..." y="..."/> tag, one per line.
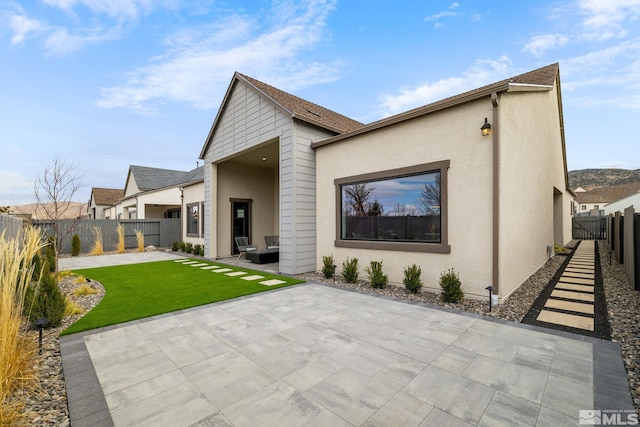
<point x="140" y="240"/>
<point x="16" y="351"/>
<point x="97" y="248"/>
<point x="84" y="290"/>
<point x="120" y="247"/>
<point x="71" y="308"/>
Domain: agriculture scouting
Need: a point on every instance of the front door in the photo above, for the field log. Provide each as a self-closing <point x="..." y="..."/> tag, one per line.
<point x="241" y="220"/>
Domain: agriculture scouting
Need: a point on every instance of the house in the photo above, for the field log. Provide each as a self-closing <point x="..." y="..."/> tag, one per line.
<point x="101" y="200"/>
<point x="632" y="198"/>
<point x="259" y="174"/>
<point x="596" y="200"/>
<point x="163" y="193"/>
<point x="476" y="182"/>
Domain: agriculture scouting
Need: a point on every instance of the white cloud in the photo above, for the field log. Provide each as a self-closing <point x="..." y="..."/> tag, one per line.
<point x="23" y="27"/>
<point x="608" y="14"/>
<point x="480" y="73"/>
<point x="123" y="9"/>
<point x="199" y="64"/>
<point x="540" y="44"/>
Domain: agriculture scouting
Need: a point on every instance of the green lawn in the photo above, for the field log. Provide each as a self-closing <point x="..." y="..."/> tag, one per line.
<point x="141" y="290"/>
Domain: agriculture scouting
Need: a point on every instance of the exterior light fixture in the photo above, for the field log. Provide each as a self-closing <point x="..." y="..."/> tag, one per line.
<point x="490" y="289"/>
<point x="42" y="322"/>
<point x="486" y="128"/>
<point x="264" y="159"/>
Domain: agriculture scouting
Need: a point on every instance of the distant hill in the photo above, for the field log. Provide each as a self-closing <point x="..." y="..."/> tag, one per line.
<point x="75" y="210"/>
<point x="592" y="178"/>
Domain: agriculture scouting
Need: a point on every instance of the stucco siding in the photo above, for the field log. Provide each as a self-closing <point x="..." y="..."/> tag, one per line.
<point x="452" y="135"/>
<point x="531" y="172"/>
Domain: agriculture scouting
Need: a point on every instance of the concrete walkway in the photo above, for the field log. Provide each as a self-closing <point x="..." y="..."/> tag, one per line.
<point x="318" y="355"/>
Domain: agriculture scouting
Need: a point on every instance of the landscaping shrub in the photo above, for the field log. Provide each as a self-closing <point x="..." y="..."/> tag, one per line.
<point x="17" y="350"/>
<point x="120" y="245"/>
<point x="182" y="246"/>
<point x="48" y="301"/>
<point x="50" y="253"/>
<point x="75" y="245"/>
<point x="197" y="250"/>
<point x="140" y="240"/>
<point x="188" y="247"/>
<point x="71" y="308"/>
<point x="412" y="281"/>
<point x="84" y="290"/>
<point x="328" y="266"/>
<point x="376" y="277"/>
<point x="175" y="246"/>
<point x="97" y="248"/>
<point x="451" y="286"/>
<point x="350" y="270"/>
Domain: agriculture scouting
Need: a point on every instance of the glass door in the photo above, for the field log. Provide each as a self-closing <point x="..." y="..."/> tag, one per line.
<point x="241" y="219"/>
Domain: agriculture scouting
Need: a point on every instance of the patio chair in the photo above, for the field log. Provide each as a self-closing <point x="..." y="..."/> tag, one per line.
<point x="244" y="246"/>
<point x="273" y="242"/>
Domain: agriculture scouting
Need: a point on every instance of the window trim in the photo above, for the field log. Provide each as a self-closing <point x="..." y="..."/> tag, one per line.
<point x="441" y="247"/>
<point x="187" y="219"/>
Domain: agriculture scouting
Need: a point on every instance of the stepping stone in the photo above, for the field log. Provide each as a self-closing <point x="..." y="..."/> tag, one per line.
<point x="578" y="275"/>
<point x="190" y="262"/>
<point x="181" y="260"/>
<point x="572" y="287"/>
<point x="254" y="277"/>
<point x="571" y="320"/>
<point x="222" y="270"/>
<point x="578" y="307"/>
<point x="572" y="295"/>
<point x="577" y="280"/>
<point x="209" y="267"/>
<point x="584" y="270"/>
<point x="235" y="273"/>
<point x="199" y="264"/>
<point x="272" y="282"/>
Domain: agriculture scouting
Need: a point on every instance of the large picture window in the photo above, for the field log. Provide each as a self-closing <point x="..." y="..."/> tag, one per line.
<point x="400" y="209"/>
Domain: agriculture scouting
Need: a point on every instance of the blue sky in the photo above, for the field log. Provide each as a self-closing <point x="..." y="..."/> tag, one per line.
<point x="104" y="84"/>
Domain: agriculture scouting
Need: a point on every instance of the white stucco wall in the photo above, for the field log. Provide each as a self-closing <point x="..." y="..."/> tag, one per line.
<point x="448" y="135"/>
<point x="531" y="167"/>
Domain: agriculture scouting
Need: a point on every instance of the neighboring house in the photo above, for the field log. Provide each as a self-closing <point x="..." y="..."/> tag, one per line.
<point x="625" y="202"/>
<point x="596" y="200"/>
<point x="260" y="171"/>
<point x="154" y="192"/>
<point x="101" y="201"/>
<point x="422" y="187"/>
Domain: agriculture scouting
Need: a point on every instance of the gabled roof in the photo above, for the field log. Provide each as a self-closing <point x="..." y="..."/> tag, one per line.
<point x="603" y="195"/>
<point x="149" y="179"/>
<point x="106" y="196"/>
<point x="541" y="79"/>
<point x="297" y="108"/>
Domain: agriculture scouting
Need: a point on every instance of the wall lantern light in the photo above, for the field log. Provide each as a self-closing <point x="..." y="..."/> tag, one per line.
<point x="486" y="128"/>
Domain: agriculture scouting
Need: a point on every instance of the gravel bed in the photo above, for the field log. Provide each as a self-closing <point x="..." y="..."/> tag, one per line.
<point x="49" y="406"/>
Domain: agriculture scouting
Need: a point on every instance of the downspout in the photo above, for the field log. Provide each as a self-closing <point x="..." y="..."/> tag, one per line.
<point x="496" y="194"/>
<point x="182" y="216"/>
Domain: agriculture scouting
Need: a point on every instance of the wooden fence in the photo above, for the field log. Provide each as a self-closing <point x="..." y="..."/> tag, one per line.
<point x="159" y="232"/>
<point x="10" y="225"/>
<point x="623" y="239"/>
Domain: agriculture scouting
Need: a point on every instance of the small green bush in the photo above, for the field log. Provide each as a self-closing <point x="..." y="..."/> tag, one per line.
<point x="376" y="277"/>
<point x="412" y="281"/>
<point x="75" y="245"/>
<point x="182" y="246"/>
<point x="328" y="267"/>
<point x="50" y="253"/>
<point x="451" y="286"/>
<point x="175" y="246"/>
<point x="197" y="250"/>
<point x="48" y="301"/>
<point x="188" y="247"/>
<point x="350" y="270"/>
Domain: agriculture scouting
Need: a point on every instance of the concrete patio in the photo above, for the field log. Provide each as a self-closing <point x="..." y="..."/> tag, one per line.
<point x="317" y="355"/>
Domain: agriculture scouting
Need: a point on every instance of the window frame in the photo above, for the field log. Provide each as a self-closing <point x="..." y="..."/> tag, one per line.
<point x="189" y="218"/>
<point x="431" y="247"/>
